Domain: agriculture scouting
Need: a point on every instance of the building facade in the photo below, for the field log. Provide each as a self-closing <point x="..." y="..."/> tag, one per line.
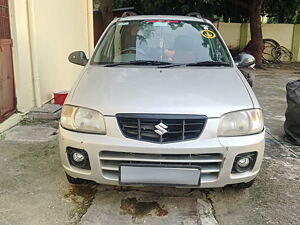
<point x="36" y="37"/>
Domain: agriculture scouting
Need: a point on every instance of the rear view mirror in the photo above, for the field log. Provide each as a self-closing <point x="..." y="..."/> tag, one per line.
<point x="78" y="58"/>
<point x="244" y="60"/>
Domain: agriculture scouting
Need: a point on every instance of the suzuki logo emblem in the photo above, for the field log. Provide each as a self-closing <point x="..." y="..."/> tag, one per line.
<point x="161" y="129"/>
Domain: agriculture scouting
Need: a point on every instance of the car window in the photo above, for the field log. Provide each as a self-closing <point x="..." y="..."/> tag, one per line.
<point x="160" y="40"/>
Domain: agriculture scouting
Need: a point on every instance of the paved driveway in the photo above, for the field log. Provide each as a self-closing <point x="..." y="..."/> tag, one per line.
<point x="33" y="189"/>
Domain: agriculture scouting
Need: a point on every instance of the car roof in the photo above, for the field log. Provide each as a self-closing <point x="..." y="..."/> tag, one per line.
<point x="163" y="17"/>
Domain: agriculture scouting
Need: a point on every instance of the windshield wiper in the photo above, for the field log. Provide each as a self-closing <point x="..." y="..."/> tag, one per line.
<point x="171" y="65"/>
<point x="139" y="62"/>
<point x="208" y="63"/>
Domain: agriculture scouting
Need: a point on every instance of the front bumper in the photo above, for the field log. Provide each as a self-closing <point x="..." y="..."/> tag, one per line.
<point x="216" y="154"/>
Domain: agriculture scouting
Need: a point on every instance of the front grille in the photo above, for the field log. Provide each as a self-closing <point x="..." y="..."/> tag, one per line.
<point x="179" y="127"/>
<point x="210" y="164"/>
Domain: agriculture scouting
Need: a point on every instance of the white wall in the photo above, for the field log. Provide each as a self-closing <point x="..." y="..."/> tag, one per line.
<point x="59" y="27"/>
<point x="21" y="55"/>
<point x="44" y="33"/>
<point x="231" y="33"/>
<point x="282" y="33"/>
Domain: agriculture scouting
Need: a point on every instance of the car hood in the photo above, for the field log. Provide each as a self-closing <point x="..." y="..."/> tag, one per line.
<point x="177" y="90"/>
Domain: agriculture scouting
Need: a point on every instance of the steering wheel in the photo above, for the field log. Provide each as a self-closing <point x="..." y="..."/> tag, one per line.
<point x="131" y="49"/>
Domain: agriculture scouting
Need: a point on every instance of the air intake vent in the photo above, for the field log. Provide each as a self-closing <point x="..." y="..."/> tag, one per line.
<point x="210" y="163"/>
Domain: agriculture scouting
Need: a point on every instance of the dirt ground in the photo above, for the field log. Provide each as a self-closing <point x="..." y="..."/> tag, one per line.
<point x="34" y="191"/>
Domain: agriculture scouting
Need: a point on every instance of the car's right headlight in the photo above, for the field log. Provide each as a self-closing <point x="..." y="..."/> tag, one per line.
<point x="240" y="123"/>
<point x="82" y="120"/>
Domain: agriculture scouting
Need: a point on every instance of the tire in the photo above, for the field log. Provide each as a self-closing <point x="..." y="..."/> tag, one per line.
<point x="271" y="53"/>
<point x="73" y="180"/>
<point x="247" y="76"/>
<point x="244" y="185"/>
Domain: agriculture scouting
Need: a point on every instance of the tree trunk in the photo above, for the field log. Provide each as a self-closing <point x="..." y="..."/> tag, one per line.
<point x="256" y="45"/>
<point x="281" y="17"/>
<point x="106" y="12"/>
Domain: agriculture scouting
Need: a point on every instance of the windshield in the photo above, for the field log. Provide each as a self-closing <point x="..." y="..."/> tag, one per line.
<point x="170" y="41"/>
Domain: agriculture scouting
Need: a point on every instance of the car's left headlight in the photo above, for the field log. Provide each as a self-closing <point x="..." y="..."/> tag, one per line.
<point x="240" y="123"/>
<point x="82" y="120"/>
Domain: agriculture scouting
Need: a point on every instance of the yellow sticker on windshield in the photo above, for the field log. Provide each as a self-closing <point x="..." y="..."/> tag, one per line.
<point x="208" y="34"/>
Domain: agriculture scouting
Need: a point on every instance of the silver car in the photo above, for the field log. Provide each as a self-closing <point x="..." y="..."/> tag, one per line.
<point x="162" y="102"/>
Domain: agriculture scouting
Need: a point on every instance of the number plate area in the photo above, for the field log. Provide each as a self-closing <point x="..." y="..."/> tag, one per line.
<point x="143" y="174"/>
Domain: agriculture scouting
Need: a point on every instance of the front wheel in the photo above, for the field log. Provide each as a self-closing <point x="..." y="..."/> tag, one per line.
<point x="243" y="185"/>
<point x="73" y="180"/>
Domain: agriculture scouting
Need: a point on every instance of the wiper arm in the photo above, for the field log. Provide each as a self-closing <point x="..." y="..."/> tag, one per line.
<point x="139" y="62"/>
<point x="171" y="65"/>
<point x="208" y="63"/>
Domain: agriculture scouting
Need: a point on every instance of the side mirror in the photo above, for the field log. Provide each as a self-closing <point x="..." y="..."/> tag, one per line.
<point x="78" y="58"/>
<point x="244" y="60"/>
